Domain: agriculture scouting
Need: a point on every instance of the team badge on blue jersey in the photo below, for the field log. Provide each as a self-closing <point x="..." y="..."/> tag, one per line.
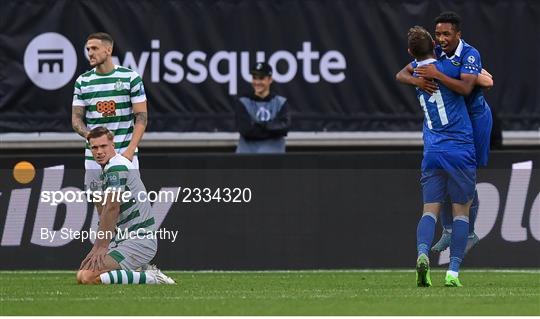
<point x="471" y="59"/>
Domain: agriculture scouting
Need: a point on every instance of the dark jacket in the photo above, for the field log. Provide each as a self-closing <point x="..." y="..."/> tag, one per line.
<point x="262" y="123"/>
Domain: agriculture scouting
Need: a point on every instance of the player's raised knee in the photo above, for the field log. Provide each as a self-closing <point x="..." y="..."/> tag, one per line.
<point x="78" y="276"/>
<point x="87" y="277"/>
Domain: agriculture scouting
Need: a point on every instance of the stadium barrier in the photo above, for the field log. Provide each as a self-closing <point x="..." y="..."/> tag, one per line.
<point x="175" y="140"/>
<point x="295" y="211"/>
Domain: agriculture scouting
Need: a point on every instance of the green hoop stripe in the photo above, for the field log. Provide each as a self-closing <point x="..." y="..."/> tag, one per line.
<point x="146" y="223"/>
<point x="117" y="168"/>
<point x="116" y="255"/>
<point x="127" y="205"/>
<point x="130" y="276"/>
<point x="134" y="214"/>
<point x="109" y="119"/>
<point x="107" y="80"/>
<point x="119" y="275"/>
<point x="99" y="94"/>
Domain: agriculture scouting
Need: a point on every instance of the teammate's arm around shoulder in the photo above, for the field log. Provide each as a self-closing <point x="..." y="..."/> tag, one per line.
<point x="405" y="76"/>
<point x="462" y="86"/>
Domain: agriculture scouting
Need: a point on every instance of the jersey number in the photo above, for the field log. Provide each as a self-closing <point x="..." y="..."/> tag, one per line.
<point x="438" y="100"/>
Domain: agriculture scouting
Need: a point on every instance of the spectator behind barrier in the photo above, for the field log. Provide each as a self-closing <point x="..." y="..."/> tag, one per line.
<point x="262" y="117"/>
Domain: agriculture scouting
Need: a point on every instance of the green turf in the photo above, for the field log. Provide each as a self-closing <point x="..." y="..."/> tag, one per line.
<point x="275" y="293"/>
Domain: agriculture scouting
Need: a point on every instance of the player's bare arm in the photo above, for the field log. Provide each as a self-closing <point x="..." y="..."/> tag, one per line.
<point x="405" y="76"/>
<point x="485" y="80"/>
<point x="462" y="86"/>
<point x="95" y="260"/>
<point x="141" y="120"/>
<point x="77" y="120"/>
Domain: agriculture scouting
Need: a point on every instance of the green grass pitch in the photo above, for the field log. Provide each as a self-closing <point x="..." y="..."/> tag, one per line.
<point x="275" y="293"/>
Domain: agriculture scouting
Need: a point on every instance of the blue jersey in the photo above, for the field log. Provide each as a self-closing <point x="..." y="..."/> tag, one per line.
<point x="467" y="58"/>
<point x="446" y="122"/>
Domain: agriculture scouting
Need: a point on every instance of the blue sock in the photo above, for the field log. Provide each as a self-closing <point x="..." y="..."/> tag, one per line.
<point x="446" y="214"/>
<point x="460" y="232"/>
<point x="473" y="212"/>
<point x="425" y="232"/>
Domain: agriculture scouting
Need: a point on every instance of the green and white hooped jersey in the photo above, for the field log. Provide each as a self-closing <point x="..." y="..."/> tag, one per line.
<point x="135" y="213"/>
<point x="108" y="100"/>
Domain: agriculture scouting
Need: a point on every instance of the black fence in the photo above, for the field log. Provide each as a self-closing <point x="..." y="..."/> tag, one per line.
<point x="335" y="60"/>
<point x="301" y="211"/>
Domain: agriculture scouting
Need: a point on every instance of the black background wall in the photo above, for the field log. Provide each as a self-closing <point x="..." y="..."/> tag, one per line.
<point x="336" y="59"/>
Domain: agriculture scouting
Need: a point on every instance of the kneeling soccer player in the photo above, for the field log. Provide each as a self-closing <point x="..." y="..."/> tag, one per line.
<point x="115" y="259"/>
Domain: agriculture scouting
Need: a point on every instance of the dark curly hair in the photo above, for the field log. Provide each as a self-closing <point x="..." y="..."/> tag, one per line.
<point x="449" y="17"/>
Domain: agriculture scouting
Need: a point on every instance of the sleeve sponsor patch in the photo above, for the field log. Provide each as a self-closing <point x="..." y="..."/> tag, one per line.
<point x="112" y="179"/>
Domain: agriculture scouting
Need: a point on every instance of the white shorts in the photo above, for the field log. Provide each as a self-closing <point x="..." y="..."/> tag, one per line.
<point x="132" y="254"/>
<point x="93" y="171"/>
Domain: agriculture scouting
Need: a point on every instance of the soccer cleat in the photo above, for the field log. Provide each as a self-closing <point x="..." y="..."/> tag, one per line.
<point x="443" y="243"/>
<point x="471" y="242"/>
<point x="423" y="278"/>
<point x="451" y="281"/>
<point x="145" y="267"/>
<point x="160" y="277"/>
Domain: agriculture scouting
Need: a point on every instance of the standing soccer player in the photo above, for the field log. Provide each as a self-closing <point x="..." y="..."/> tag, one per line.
<point x="110" y="96"/>
<point x="449" y="164"/>
<point x="470" y="84"/>
<point x="115" y="258"/>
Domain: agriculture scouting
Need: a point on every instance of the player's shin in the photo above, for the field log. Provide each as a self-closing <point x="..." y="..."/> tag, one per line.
<point x="458" y="242"/>
<point x="425" y="232"/>
<point x="473" y="212"/>
<point x="126" y="277"/>
<point x="446" y="215"/>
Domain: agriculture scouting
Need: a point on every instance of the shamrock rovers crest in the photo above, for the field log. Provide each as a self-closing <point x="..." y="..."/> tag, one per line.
<point x="118" y="85"/>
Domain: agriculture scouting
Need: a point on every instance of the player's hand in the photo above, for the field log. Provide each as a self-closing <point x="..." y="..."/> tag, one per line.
<point x="427" y="85"/>
<point x="129" y="155"/>
<point x="486" y="73"/>
<point x="95" y="260"/>
<point x="427" y="71"/>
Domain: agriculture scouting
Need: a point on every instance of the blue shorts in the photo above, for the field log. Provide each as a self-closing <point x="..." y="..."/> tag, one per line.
<point x="451" y="173"/>
<point x="482" y="136"/>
